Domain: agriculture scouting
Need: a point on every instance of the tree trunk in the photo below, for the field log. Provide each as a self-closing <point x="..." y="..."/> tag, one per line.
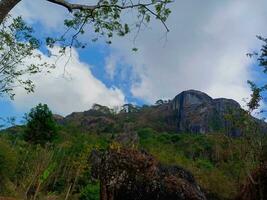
<point x="5" y="7"/>
<point x="68" y="192"/>
<point x="37" y="190"/>
<point x="103" y="191"/>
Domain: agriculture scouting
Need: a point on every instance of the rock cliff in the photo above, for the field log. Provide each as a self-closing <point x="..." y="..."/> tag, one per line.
<point x="190" y="111"/>
<point x="197" y="112"/>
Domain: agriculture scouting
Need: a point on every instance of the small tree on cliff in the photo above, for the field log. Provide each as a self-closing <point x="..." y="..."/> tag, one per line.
<point x="41" y="127"/>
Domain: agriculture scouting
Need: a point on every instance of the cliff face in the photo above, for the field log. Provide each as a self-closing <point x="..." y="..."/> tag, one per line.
<point x="197" y="112"/>
<point x="189" y="112"/>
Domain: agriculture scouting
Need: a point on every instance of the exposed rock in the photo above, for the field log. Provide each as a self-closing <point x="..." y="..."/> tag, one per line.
<point x="197" y="112"/>
<point x="58" y="118"/>
<point x="190" y="111"/>
<point x="91" y="120"/>
<point x="127" y="174"/>
<point x="129" y="137"/>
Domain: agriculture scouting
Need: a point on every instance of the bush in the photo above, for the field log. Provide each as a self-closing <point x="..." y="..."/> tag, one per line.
<point x="91" y="191"/>
<point x="8" y="162"/>
<point x="41" y="127"/>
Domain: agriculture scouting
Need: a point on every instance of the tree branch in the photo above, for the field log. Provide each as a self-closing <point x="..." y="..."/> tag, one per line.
<point x="73" y="6"/>
<point x="5" y="7"/>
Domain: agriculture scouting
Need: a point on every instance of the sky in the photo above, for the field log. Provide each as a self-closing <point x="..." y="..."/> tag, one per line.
<point x="205" y="50"/>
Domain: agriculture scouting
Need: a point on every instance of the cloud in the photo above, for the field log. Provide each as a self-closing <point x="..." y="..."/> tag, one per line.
<point x="39" y="11"/>
<point x="205" y="50"/>
<point x="110" y="65"/>
<point x="68" y="88"/>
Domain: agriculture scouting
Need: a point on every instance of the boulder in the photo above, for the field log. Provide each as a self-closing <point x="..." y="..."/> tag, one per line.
<point x="128" y="174"/>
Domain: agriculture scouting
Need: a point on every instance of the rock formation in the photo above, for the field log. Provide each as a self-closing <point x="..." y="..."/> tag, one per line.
<point x="189" y="112"/>
<point x="197" y="112"/>
<point x="127" y="174"/>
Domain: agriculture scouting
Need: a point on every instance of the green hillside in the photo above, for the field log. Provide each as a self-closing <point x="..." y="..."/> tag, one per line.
<point x="61" y="168"/>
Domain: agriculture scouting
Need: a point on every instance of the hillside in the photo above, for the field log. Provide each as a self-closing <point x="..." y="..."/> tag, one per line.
<point x="190" y="111"/>
<point x="178" y="150"/>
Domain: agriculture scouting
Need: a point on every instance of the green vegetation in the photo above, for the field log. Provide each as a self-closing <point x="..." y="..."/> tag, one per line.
<point x="106" y="19"/>
<point x="41" y="126"/>
<point x="35" y="165"/>
<point x="215" y="160"/>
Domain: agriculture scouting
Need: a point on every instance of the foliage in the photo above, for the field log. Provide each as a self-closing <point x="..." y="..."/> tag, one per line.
<point x="91" y="191"/>
<point x="8" y="163"/>
<point x="20" y="54"/>
<point x="106" y="20"/>
<point x="41" y="126"/>
<point x="219" y="163"/>
<point x="18" y="50"/>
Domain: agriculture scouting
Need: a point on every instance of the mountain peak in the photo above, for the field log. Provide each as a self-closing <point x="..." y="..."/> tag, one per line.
<point x="197" y="112"/>
<point x="191" y="111"/>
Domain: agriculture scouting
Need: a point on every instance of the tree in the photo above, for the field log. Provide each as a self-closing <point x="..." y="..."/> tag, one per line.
<point x="261" y="58"/>
<point x="103" y="9"/>
<point x="104" y="18"/>
<point x="8" y="161"/>
<point x="41" y="126"/>
<point x="17" y="45"/>
<point x="129" y="108"/>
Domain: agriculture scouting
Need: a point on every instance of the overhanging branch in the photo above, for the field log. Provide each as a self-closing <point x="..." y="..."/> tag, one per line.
<point x="73" y="6"/>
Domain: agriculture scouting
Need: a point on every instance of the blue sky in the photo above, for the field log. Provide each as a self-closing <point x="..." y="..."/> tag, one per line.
<point x="205" y="50"/>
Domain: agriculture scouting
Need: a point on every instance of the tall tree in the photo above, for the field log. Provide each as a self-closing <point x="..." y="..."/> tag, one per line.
<point x="41" y="127"/>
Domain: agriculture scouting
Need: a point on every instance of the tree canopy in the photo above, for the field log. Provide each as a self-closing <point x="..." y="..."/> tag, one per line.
<point x="41" y="127"/>
<point x="105" y="18"/>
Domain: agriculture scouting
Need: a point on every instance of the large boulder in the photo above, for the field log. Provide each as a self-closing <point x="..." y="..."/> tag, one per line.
<point x="128" y="174"/>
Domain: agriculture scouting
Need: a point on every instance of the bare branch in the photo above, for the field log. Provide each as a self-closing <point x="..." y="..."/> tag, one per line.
<point x="72" y="6"/>
<point x="157" y="17"/>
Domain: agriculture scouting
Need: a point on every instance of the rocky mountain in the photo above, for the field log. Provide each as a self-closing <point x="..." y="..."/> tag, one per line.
<point x="197" y="112"/>
<point x="190" y="111"/>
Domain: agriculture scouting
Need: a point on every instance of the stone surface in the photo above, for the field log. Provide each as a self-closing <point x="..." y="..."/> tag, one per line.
<point x="128" y="174"/>
<point x="190" y="111"/>
<point x="197" y="112"/>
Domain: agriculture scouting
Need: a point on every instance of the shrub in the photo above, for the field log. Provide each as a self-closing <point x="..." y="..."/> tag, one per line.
<point x="41" y="127"/>
<point x="8" y="162"/>
<point x="91" y="191"/>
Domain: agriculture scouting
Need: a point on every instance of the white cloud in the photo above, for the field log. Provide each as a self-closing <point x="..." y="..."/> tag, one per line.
<point x="110" y="65"/>
<point x="41" y="11"/>
<point x="75" y="90"/>
<point x="205" y="50"/>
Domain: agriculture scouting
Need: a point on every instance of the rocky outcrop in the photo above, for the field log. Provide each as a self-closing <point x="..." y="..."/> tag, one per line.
<point x="58" y="118"/>
<point x="197" y="112"/>
<point x="127" y="174"/>
<point x="190" y="111"/>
